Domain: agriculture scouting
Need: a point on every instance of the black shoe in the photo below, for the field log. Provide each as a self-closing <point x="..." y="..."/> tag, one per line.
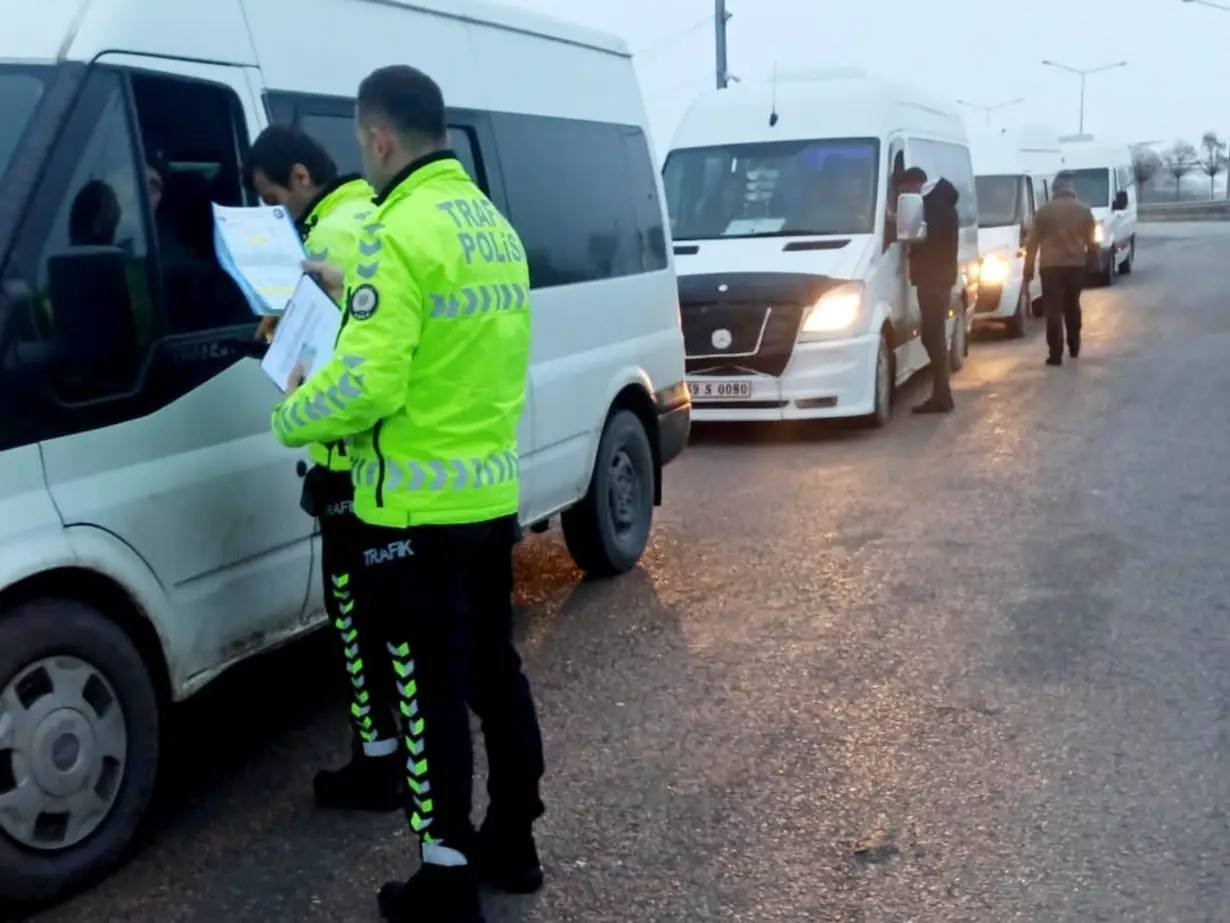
<point x="1075" y="352"/>
<point x="366" y="783"/>
<point x="509" y="861"/>
<point x="436" y="894"/>
<point x="1054" y="360"/>
<point x="934" y="406"/>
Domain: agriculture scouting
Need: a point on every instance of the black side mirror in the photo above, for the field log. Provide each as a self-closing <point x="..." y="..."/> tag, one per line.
<point x="1121" y="200"/>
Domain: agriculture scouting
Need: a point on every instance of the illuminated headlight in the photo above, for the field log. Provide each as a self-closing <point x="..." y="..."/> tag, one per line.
<point x="995" y="269"/>
<point x="1099" y="233"/>
<point x="836" y="311"/>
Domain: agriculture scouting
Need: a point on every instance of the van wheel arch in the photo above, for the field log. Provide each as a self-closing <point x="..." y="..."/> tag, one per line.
<point x="109" y="598"/>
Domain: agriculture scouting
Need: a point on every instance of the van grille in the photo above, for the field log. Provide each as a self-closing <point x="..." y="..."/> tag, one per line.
<point x="761" y="337"/>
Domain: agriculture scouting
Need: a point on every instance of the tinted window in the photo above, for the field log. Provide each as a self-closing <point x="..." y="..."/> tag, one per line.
<point x="19" y="96"/>
<point x="999" y="201"/>
<point x="89" y="337"/>
<point x="776" y="189"/>
<point x="336" y="134"/>
<point x="951" y="162"/>
<point x="580" y="195"/>
<point x="1091" y="186"/>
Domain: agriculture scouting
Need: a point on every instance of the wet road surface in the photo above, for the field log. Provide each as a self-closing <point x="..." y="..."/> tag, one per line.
<point x="974" y="668"/>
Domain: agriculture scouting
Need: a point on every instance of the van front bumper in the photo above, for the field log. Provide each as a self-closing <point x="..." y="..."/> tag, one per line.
<point x="674" y="409"/>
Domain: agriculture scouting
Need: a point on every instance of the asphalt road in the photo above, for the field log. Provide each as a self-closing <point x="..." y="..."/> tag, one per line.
<point x="964" y="669"/>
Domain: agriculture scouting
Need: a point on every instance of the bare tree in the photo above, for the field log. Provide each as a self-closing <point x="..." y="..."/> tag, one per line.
<point x="1180" y="159"/>
<point x="1146" y="164"/>
<point x="1214" y="161"/>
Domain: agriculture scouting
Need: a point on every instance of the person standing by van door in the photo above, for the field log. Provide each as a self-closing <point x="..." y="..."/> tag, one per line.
<point x="289" y="169"/>
<point x="427" y="386"/>
<point x="933" y="272"/>
<point x="1065" y="231"/>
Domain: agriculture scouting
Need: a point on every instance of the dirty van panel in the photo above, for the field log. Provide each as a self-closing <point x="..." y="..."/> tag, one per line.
<point x="153" y="418"/>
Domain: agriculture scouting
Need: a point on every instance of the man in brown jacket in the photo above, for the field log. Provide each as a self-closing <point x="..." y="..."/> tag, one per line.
<point x="1064" y="229"/>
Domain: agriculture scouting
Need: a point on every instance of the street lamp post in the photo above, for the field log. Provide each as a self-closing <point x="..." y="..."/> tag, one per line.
<point x="989" y="109"/>
<point x="1083" y="74"/>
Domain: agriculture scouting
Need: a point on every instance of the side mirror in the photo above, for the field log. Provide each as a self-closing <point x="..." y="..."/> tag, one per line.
<point x="1121" y="200"/>
<point x="911" y="220"/>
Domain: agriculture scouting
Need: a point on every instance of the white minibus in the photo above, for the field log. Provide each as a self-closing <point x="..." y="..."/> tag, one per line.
<point x="794" y="291"/>
<point x="150" y="530"/>
<point x="1103" y="178"/>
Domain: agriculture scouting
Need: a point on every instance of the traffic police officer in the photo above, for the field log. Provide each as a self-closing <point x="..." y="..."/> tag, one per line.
<point x="288" y="168"/>
<point x="427" y="386"/>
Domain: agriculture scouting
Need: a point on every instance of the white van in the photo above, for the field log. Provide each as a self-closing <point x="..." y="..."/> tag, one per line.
<point x="1013" y="183"/>
<point x="150" y="530"/>
<point x="793" y="289"/>
<point x="1104" y="180"/>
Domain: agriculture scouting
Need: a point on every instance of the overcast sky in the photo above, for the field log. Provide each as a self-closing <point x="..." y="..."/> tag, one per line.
<point x="986" y="51"/>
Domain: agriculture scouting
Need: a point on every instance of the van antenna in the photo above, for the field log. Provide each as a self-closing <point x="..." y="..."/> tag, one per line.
<point x="773" y="116"/>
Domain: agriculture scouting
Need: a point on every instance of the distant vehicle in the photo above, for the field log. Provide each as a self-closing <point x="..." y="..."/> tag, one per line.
<point x="1104" y="180"/>
<point x="150" y="530"/>
<point x="1013" y="183"/>
<point x="792" y="285"/>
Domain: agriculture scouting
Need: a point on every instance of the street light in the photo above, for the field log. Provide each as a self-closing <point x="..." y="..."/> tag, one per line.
<point x="989" y="109"/>
<point x="1089" y="72"/>
<point x="1217" y="6"/>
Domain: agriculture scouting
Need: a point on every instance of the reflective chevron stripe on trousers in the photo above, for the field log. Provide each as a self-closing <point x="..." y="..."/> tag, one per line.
<point x="371" y="698"/>
<point x="445" y="597"/>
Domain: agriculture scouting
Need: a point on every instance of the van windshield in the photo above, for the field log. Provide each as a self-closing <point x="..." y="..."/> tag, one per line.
<point x="20" y="91"/>
<point x="774" y="189"/>
<point x="999" y="201"/>
<point x="1091" y="186"/>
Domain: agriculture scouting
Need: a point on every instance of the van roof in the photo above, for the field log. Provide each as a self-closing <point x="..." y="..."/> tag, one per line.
<point x="843" y="106"/>
<point x="1082" y="155"/>
<point x="216" y="30"/>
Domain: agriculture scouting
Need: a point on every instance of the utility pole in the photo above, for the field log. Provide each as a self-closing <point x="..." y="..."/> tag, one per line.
<point x="720" y="18"/>
<point x="1083" y="74"/>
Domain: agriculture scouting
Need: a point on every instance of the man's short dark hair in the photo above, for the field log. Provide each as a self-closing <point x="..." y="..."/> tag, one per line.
<point x="410" y="100"/>
<point x="280" y="147"/>
<point x="914" y="175"/>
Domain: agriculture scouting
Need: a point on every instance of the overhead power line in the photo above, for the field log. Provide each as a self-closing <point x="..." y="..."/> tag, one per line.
<point x="662" y="41"/>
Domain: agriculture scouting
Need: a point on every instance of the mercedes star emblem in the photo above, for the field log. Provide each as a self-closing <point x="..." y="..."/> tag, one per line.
<point x="722" y="339"/>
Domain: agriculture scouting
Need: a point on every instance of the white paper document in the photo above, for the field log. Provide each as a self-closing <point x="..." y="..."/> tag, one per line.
<point x="260" y="249"/>
<point x="305" y="336"/>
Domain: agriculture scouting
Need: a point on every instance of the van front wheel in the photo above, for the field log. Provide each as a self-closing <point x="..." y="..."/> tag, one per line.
<point x="79" y="735"/>
<point x="607" y="532"/>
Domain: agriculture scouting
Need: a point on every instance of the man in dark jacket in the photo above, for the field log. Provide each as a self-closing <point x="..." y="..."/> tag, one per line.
<point x="933" y="271"/>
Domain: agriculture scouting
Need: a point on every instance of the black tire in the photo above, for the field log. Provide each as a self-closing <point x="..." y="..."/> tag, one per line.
<point x="886" y="365"/>
<point x="1130" y="263"/>
<point x="64" y="631"/>
<point x="958" y="349"/>
<point x="1106" y="278"/>
<point x="607" y="532"/>
<point x="1018" y="324"/>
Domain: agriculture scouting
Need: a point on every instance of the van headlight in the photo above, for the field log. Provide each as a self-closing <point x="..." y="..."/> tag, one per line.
<point x="836" y="312"/>
<point x="1099" y="233"/>
<point x="995" y="269"/>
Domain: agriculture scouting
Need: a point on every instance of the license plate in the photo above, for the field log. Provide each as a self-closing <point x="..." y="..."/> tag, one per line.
<point x="720" y="390"/>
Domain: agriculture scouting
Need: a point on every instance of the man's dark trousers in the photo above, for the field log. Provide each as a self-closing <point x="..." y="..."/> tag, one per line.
<point x="1061" y="293"/>
<point x="444" y="596"/>
<point x="934" y="305"/>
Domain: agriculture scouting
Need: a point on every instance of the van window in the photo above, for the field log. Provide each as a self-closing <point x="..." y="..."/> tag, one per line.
<point x="774" y="189"/>
<point x="999" y="201"/>
<point x="583" y="197"/>
<point x="1091" y="186"/>
<point x="335" y="133"/>
<point x="20" y="93"/>
<point x="91" y="338"/>
<point x="942" y="159"/>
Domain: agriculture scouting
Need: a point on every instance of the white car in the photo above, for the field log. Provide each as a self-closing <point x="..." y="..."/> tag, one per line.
<point x="150" y="530"/>
<point x="1103" y="178"/>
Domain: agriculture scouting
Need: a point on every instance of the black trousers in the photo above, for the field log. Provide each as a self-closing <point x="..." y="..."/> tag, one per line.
<point x="373" y="701"/>
<point x="1061" y="293"/>
<point x="444" y="595"/>
<point x="934" y="305"/>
